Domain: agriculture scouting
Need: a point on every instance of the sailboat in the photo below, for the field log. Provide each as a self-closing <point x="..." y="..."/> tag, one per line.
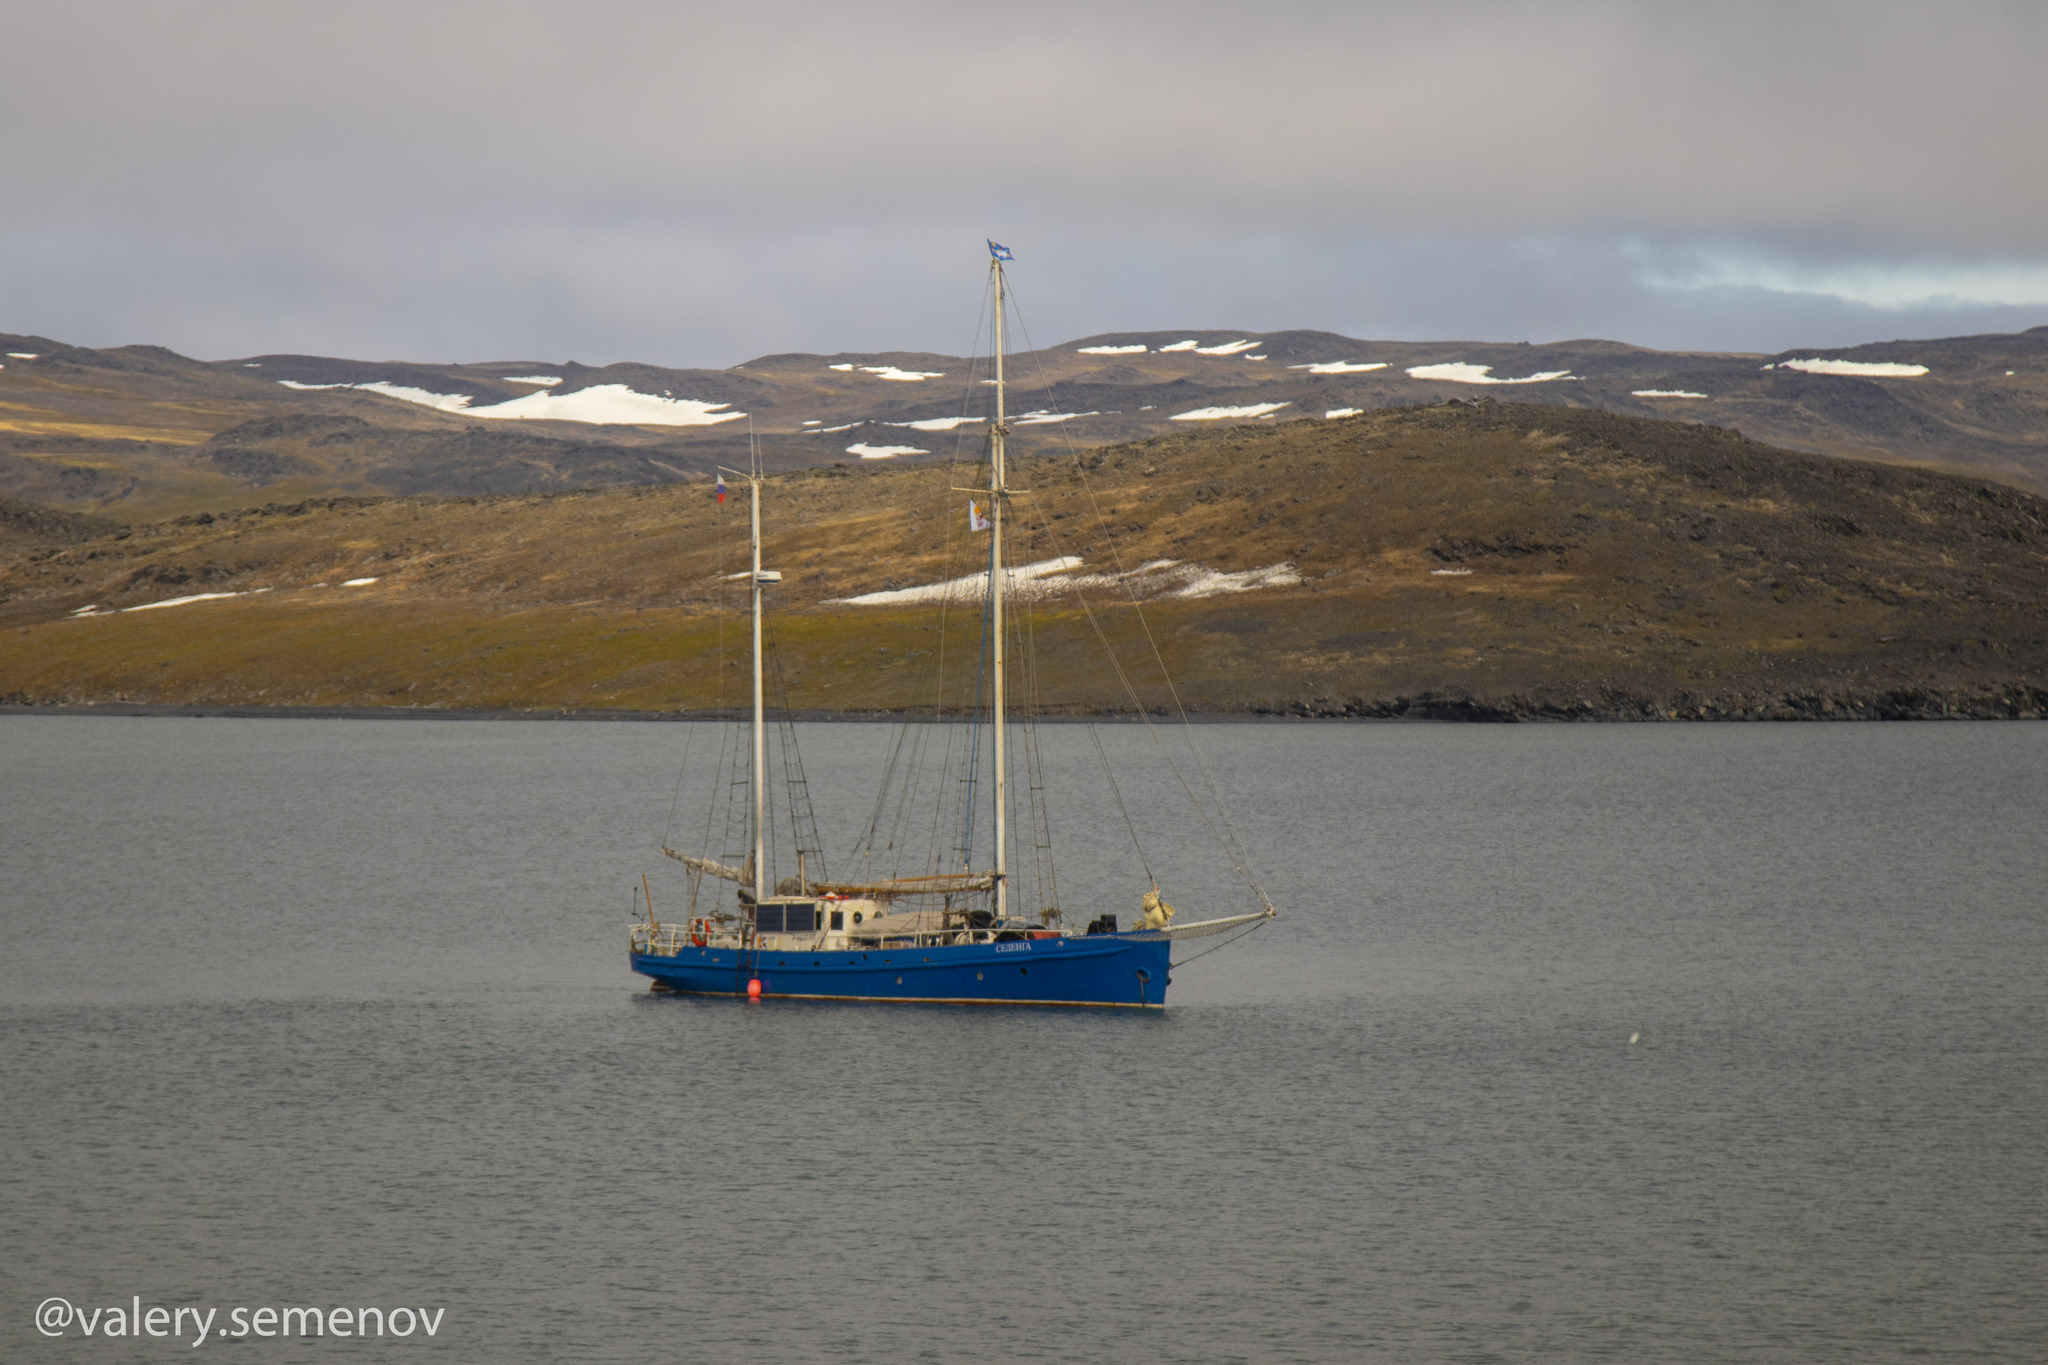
<point x="945" y="937"/>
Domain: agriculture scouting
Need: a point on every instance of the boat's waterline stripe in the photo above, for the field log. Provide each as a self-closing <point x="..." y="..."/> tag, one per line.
<point x="918" y="999"/>
<point x="1078" y="946"/>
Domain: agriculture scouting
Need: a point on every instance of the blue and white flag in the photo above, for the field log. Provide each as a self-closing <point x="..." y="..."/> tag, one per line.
<point x="1000" y="252"/>
<point x="975" y="520"/>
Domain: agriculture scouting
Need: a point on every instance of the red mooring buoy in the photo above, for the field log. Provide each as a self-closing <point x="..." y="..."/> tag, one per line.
<point x="754" y="989"/>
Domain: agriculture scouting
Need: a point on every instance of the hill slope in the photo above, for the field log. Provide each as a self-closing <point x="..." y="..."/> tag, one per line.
<point x="141" y="433"/>
<point x="1485" y="559"/>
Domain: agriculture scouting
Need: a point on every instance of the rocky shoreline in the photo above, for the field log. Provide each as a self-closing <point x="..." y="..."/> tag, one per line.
<point x="2016" y="701"/>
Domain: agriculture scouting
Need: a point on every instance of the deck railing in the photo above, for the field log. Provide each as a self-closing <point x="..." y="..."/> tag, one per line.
<point x="670" y="939"/>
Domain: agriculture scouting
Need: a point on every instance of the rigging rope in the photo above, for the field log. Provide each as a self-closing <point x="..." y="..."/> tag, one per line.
<point x="1246" y="933"/>
<point x="988" y="603"/>
<point x="796" y="788"/>
<point x="1044" y="867"/>
<point x="909" y="733"/>
<point x="1117" y="791"/>
<point x="1227" y="836"/>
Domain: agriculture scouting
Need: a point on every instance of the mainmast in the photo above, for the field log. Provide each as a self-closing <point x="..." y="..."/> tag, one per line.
<point x="998" y="493"/>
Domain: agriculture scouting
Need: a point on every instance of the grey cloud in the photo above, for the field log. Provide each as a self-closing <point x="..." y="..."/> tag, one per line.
<point x="699" y="183"/>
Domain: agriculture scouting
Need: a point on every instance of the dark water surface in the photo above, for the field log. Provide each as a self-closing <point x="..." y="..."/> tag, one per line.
<point x="336" y="1013"/>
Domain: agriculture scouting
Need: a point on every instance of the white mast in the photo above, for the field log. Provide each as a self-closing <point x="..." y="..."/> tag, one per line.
<point x="997" y="494"/>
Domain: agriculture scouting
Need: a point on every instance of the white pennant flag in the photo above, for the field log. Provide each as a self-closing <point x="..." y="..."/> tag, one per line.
<point x="975" y="520"/>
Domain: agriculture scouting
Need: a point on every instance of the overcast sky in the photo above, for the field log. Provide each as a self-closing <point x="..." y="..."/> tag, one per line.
<point x="698" y="184"/>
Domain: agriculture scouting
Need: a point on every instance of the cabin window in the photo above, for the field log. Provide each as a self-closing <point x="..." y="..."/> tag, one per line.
<point x="838" y="920"/>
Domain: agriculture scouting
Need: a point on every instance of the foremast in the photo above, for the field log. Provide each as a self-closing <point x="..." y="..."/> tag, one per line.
<point x="759" y="579"/>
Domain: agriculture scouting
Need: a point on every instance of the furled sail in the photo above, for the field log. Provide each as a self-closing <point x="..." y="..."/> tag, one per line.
<point x="942" y="884"/>
<point x="743" y="875"/>
<point x="1203" y="928"/>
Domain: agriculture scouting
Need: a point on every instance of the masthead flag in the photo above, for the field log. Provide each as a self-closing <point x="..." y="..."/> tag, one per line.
<point x="721" y="488"/>
<point x="975" y="520"/>
<point x="1000" y="252"/>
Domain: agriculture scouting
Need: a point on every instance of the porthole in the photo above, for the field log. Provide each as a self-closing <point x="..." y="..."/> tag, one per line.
<point x="1023" y="971"/>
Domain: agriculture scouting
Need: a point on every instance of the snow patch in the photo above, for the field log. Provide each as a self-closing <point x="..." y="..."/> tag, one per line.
<point x="1110" y="350"/>
<point x="357" y="582"/>
<point x="1342" y="367"/>
<point x="1449" y="573"/>
<point x="969" y="588"/>
<point x="181" y="601"/>
<point x="1172" y="578"/>
<point x="1875" y="369"/>
<point x="815" y="422"/>
<point x="546" y="381"/>
<point x="891" y="372"/>
<point x="1460" y="372"/>
<point x="611" y="405"/>
<point x="599" y="405"/>
<point x="1041" y="417"/>
<point x="936" y="423"/>
<point x="1053" y="577"/>
<point x="1343" y="412"/>
<point x="868" y="452"/>
<point x="1218" y="414"/>
<point x="829" y="431"/>
<point x="1211" y="582"/>
<point x="446" y="402"/>
<point x="1187" y="345"/>
<point x="1664" y="393"/>
<point x="252" y="364"/>
<point x="24" y="355"/>
<point x="1227" y="348"/>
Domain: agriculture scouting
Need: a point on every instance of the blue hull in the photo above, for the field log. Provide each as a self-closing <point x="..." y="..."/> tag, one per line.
<point x="1098" y="969"/>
